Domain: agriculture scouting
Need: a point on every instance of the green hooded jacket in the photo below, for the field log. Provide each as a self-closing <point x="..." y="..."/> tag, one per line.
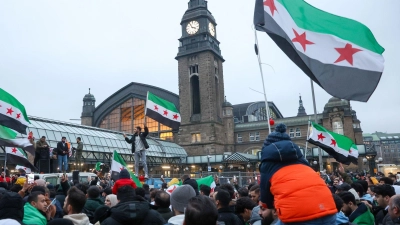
<point x="33" y="216"/>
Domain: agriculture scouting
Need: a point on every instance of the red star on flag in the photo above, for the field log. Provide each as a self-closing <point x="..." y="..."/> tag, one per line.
<point x="165" y="113"/>
<point x="155" y="108"/>
<point x="175" y="116"/>
<point x="121" y="168"/>
<point x="301" y="39"/>
<point x="18" y="115"/>
<point x="321" y="137"/>
<point x="14" y="150"/>
<point x="271" y="5"/>
<point x="170" y="191"/>
<point x="25" y="168"/>
<point x="10" y="111"/>
<point x="350" y="151"/>
<point x="347" y="53"/>
<point x="333" y="142"/>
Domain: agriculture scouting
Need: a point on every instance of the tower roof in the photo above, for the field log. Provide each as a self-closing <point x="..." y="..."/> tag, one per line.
<point x="89" y="97"/>
<point x="336" y="102"/>
<point x="302" y="110"/>
<point x="226" y="103"/>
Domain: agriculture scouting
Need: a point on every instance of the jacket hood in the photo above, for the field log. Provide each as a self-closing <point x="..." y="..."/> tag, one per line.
<point x="132" y="212"/>
<point x="281" y="151"/>
<point x="368" y="197"/>
<point x="78" y="219"/>
<point x="341" y="218"/>
<point x="254" y="215"/>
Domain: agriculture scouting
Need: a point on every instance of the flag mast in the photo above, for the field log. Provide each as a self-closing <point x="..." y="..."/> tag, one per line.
<point x="262" y="79"/>
<point x="315" y="119"/>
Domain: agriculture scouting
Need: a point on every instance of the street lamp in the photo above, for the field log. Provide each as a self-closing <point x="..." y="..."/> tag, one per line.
<point x="315" y="162"/>
<point x="365" y="160"/>
<point x="380" y="159"/>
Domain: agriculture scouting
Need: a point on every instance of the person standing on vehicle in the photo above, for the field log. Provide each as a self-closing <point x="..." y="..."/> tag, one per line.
<point x="139" y="146"/>
<point x="62" y="154"/>
<point x="41" y="146"/>
<point x="78" y="153"/>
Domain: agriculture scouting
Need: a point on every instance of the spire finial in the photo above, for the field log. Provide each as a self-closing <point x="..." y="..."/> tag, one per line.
<point x="89" y="90"/>
<point x="225" y="98"/>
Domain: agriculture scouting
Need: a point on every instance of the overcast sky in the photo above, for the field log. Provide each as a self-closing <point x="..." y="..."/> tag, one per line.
<point x="51" y="52"/>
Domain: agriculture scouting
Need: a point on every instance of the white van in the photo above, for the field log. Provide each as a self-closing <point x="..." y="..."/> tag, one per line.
<point x="48" y="177"/>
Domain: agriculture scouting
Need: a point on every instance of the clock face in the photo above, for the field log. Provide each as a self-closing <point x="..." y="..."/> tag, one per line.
<point x="192" y="27"/>
<point x="211" y="28"/>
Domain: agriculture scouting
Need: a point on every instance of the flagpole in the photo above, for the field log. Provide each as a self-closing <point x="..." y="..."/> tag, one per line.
<point x="5" y="162"/>
<point x="316" y="121"/>
<point x="262" y="79"/>
<point x="308" y="133"/>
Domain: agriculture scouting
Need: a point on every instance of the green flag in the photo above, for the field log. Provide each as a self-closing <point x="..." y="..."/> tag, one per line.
<point x="338" y="146"/>
<point x="162" y="111"/>
<point x="117" y="164"/>
<point x="12" y="113"/>
<point x="9" y="138"/>
<point x="341" y="55"/>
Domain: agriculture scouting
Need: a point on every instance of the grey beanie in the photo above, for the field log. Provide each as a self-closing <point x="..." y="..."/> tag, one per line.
<point x="180" y="197"/>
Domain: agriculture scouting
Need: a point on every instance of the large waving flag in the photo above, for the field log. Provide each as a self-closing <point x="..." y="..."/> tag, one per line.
<point x="12" y="113"/>
<point x="9" y="138"/>
<point x="162" y="111"/>
<point x="338" y="146"/>
<point x="118" y="164"/>
<point x="27" y="169"/>
<point x="19" y="157"/>
<point x="339" y="54"/>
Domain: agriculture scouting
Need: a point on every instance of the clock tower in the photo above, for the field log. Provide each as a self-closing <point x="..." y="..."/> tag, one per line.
<point x="205" y="126"/>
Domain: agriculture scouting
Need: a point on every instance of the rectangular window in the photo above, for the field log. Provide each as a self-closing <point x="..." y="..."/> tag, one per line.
<point x="298" y="132"/>
<point x="196" y="138"/>
<point x="257" y="136"/>
<point x="291" y="132"/>
<point x="239" y="138"/>
<point x="252" y="138"/>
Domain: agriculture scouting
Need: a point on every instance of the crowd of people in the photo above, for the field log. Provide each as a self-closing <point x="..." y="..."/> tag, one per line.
<point x="290" y="192"/>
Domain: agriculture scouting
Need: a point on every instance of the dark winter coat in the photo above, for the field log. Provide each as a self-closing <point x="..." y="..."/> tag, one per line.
<point x="142" y="136"/>
<point x="133" y="212"/>
<point x="227" y="216"/>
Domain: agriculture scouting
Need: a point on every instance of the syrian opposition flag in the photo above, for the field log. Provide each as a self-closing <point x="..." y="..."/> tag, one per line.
<point x="9" y="138"/>
<point x="208" y="181"/>
<point x="162" y="111"/>
<point x="339" y="54"/>
<point x="27" y="170"/>
<point x="118" y="164"/>
<point x="19" y="157"/>
<point x="98" y="166"/>
<point x="12" y="113"/>
<point x="336" y="145"/>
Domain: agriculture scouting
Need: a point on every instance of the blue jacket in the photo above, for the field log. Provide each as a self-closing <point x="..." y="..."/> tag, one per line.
<point x="275" y="156"/>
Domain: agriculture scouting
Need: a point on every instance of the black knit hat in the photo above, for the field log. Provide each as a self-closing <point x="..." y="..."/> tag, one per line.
<point x="60" y="221"/>
<point x="278" y="135"/>
<point x="124" y="174"/>
<point x="11" y="206"/>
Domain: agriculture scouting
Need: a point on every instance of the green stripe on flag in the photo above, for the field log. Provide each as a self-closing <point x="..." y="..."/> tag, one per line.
<point x="313" y="19"/>
<point x="164" y="103"/>
<point x="342" y="141"/>
<point x="6" y="97"/>
<point x="7" y="133"/>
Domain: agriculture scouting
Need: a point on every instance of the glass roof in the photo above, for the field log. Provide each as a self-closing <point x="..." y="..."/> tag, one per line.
<point x="98" y="140"/>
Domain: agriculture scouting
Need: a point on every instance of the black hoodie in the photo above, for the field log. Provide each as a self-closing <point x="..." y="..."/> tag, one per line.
<point x="133" y="212"/>
<point x="11" y="206"/>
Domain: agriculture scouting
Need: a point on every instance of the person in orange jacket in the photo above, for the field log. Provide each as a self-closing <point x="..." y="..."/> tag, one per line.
<point x="290" y="186"/>
<point x="124" y="179"/>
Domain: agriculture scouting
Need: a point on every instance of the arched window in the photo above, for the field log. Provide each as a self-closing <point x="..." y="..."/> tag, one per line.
<point x="337" y="125"/>
<point x="195" y="92"/>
